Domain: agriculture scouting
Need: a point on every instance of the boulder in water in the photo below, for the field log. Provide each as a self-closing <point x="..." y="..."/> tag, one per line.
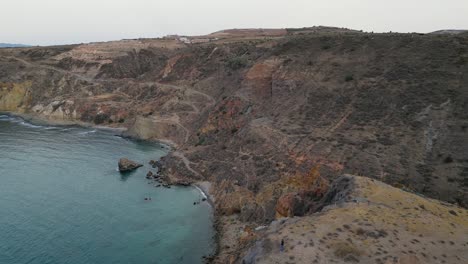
<point x="126" y="165"/>
<point x="149" y="175"/>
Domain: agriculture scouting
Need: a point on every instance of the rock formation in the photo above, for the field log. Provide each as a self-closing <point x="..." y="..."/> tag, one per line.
<point x="126" y="165"/>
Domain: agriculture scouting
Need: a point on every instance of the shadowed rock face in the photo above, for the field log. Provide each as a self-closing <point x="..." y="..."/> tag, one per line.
<point x="254" y="114"/>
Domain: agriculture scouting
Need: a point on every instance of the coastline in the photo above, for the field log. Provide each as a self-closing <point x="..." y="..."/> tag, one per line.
<point x="38" y="120"/>
<point x="42" y="121"/>
<point x="202" y="186"/>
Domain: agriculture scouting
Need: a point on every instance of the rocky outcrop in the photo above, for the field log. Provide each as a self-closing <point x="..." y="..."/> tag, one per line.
<point x="149" y="175"/>
<point x="164" y="128"/>
<point x="310" y="189"/>
<point x="363" y="221"/>
<point x="126" y="165"/>
<point x="289" y="205"/>
<point x="258" y="81"/>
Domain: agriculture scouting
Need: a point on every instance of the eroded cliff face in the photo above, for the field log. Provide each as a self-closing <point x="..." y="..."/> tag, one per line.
<point x="255" y="114"/>
<point x="15" y="96"/>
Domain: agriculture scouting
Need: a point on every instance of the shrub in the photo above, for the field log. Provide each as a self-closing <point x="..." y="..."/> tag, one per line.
<point x="100" y="118"/>
<point x="201" y="141"/>
<point x="349" y="78"/>
<point x="448" y="159"/>
<point x="236" y="63"/>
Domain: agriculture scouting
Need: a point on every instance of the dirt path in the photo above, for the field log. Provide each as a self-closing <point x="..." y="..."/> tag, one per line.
<point x="189" y="91"/>
<point x="186" y="162"/>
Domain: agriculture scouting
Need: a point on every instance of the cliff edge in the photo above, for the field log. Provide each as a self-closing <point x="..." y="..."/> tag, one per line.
<point x="362" y="221"/>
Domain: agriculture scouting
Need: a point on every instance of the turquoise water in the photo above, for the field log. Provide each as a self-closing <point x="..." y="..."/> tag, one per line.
<point x="62" y="201"/>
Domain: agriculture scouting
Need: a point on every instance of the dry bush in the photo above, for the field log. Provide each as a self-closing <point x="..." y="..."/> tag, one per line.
<point x="347" y="251"/>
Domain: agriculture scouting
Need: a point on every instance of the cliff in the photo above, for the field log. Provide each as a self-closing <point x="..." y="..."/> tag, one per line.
<point x="269" y="117"/>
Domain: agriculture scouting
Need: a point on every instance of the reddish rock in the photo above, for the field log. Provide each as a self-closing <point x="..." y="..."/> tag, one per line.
<point x="259" y="78"/>
<point x="289" y="205"/>
<point x="311" y="188"/>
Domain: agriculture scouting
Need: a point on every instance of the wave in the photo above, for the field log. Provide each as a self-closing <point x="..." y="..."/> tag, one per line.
<point x="26" y="124"/>
<point x="9" y="118"/>
<point x="201" y="191"/>
<point x="88" y="132"/>
<point x="22" y="122"/>
<point x="119" y="136"/>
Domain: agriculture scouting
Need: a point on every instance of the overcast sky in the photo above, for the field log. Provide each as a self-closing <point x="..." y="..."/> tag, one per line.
<point x="46" y="22"/>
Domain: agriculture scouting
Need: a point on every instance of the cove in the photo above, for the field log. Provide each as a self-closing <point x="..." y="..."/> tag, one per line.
<point x="62" y="200"/>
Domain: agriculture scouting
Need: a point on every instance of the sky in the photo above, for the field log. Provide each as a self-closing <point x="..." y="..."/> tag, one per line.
<point x="52" y="22"/>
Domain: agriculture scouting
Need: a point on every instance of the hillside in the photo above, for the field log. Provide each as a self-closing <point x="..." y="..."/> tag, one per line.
<point x="260" y="113"/>
<point x="370" y="223"/>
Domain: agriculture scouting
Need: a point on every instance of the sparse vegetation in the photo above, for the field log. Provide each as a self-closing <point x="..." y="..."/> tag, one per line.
<point x="237" y="63"/>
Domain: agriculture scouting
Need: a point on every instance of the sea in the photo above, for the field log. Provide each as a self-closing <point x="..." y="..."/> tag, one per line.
<point x="63" y="200"/>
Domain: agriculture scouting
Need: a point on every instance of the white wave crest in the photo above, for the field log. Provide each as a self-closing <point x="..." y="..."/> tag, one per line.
<point x="87" y="132"/>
